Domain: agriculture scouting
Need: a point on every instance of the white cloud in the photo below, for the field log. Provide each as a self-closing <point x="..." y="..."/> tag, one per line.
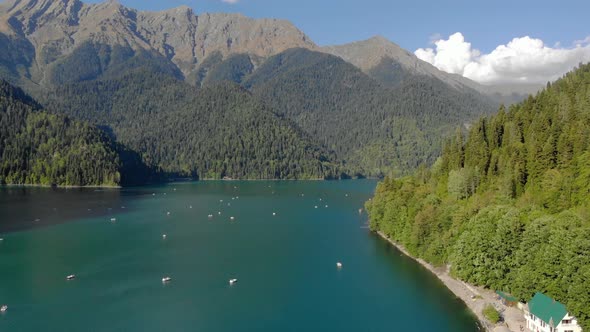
<point x="230" y="1"/>
<point x="522" y="60"/>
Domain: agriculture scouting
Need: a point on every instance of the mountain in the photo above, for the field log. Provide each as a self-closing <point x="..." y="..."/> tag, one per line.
<point x="133" y="73"/>
<point x="41" y="148"/>
<point x="218" y="131"/>
<point x="507" y="207"/>
<point x="386" y="62"/>
<point x="389" y="64"/>
<point x="374" y="128"/>
<point x="42" y="34"/>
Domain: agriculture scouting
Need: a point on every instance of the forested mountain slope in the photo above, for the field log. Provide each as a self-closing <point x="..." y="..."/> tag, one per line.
<point x="41" y="148"/>
<point x="127" y="70"/>
<point x="215" y="132"/>
<point x="509" y="206"/>
<point x="372" y="127"/>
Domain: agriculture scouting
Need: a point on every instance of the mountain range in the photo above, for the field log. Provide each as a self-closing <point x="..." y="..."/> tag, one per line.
<point x="46" y="31"/>
<point x="365" y="108"/>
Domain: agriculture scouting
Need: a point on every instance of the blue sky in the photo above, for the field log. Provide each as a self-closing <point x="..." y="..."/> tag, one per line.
<point x="411" y="23"/>
<point x="489" y="41"/>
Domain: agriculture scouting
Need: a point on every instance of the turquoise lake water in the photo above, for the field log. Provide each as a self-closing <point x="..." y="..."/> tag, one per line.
<point x="285" y="264"/>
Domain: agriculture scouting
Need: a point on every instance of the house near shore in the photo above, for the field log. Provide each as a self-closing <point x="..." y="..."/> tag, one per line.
<point x="544" y="314"/>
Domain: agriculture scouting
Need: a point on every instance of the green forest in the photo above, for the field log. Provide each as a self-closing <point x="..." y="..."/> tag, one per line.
<point x="508" y="205"/>
<point x="37" y="147"/>
<point x="324" y="118"/>
<point x="215" y="132"/>
<point x="296" y="115"/>
<point x="375" y="129"/>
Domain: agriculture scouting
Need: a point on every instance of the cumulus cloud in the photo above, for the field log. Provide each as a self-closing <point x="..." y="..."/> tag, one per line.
<point x="522" y="60"/>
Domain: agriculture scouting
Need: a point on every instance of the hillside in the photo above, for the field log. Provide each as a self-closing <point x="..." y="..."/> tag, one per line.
<point x="508" y="206"/>
<point x="215" y="132"/>
<point x="374" y="128"/>
<point x="41" y="148"/>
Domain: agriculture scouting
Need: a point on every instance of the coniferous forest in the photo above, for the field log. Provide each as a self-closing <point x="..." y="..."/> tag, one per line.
<point x="506" y="206"/>
<point x="300" y="114"/>
<point x="37" y="147"/>
<point x="214" y="132"/>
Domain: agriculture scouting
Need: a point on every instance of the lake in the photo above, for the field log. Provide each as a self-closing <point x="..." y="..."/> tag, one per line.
<point x="112" y="240"/>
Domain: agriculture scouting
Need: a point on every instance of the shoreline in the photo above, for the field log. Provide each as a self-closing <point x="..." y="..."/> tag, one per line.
<point x="475" y="298"/>
<point x="57" y="187"/>
<point x="13" y="185"/>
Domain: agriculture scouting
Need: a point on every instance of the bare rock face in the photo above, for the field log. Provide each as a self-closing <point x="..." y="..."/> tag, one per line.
<point x="57" y="27"/>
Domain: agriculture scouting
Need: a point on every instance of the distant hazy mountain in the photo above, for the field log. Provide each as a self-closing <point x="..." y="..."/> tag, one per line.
<point x="379" y="57"/>
<point x="390" y="64"/>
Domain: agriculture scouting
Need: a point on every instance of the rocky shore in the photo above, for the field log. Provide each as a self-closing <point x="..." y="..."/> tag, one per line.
<point x="475" y="298"/>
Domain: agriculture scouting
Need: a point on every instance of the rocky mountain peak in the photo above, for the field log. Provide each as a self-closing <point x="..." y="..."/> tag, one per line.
<point x="177" y="34"/>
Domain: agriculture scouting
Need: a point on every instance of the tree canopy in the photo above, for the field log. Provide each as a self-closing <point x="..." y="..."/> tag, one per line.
<point x="507" y="206"/>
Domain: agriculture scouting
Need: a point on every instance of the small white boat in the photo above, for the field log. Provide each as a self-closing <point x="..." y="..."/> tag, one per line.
<point x="232" y="281"/>
<point x="164" y="236"/>
<point x="274" y="213"/>
<point x="326" y="205"/>
<point x="153" y="194"/>
<point x="71" y="277"/>
<point x="339" y="265"/>
<point x="190" y="207"/>
<point x="232" y="218"/>
<point x="166" y="279"/>
<point x="168" y="213"/>
<point x="210" y="216"/>
<point x="219" y="213"/>
<point x="220" y="201"/>
<point x="113" y="219"/>
<point x="316" y="206"/>
<point x="1" y="239"/>
<point x="3" y="308"/>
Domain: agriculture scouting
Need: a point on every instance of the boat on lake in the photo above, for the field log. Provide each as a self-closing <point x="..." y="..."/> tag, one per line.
<point x="166" y="279"/>
<point x="3" y="308"/>
<point x="71" y="277"/>
<point x="233" y="281"/>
